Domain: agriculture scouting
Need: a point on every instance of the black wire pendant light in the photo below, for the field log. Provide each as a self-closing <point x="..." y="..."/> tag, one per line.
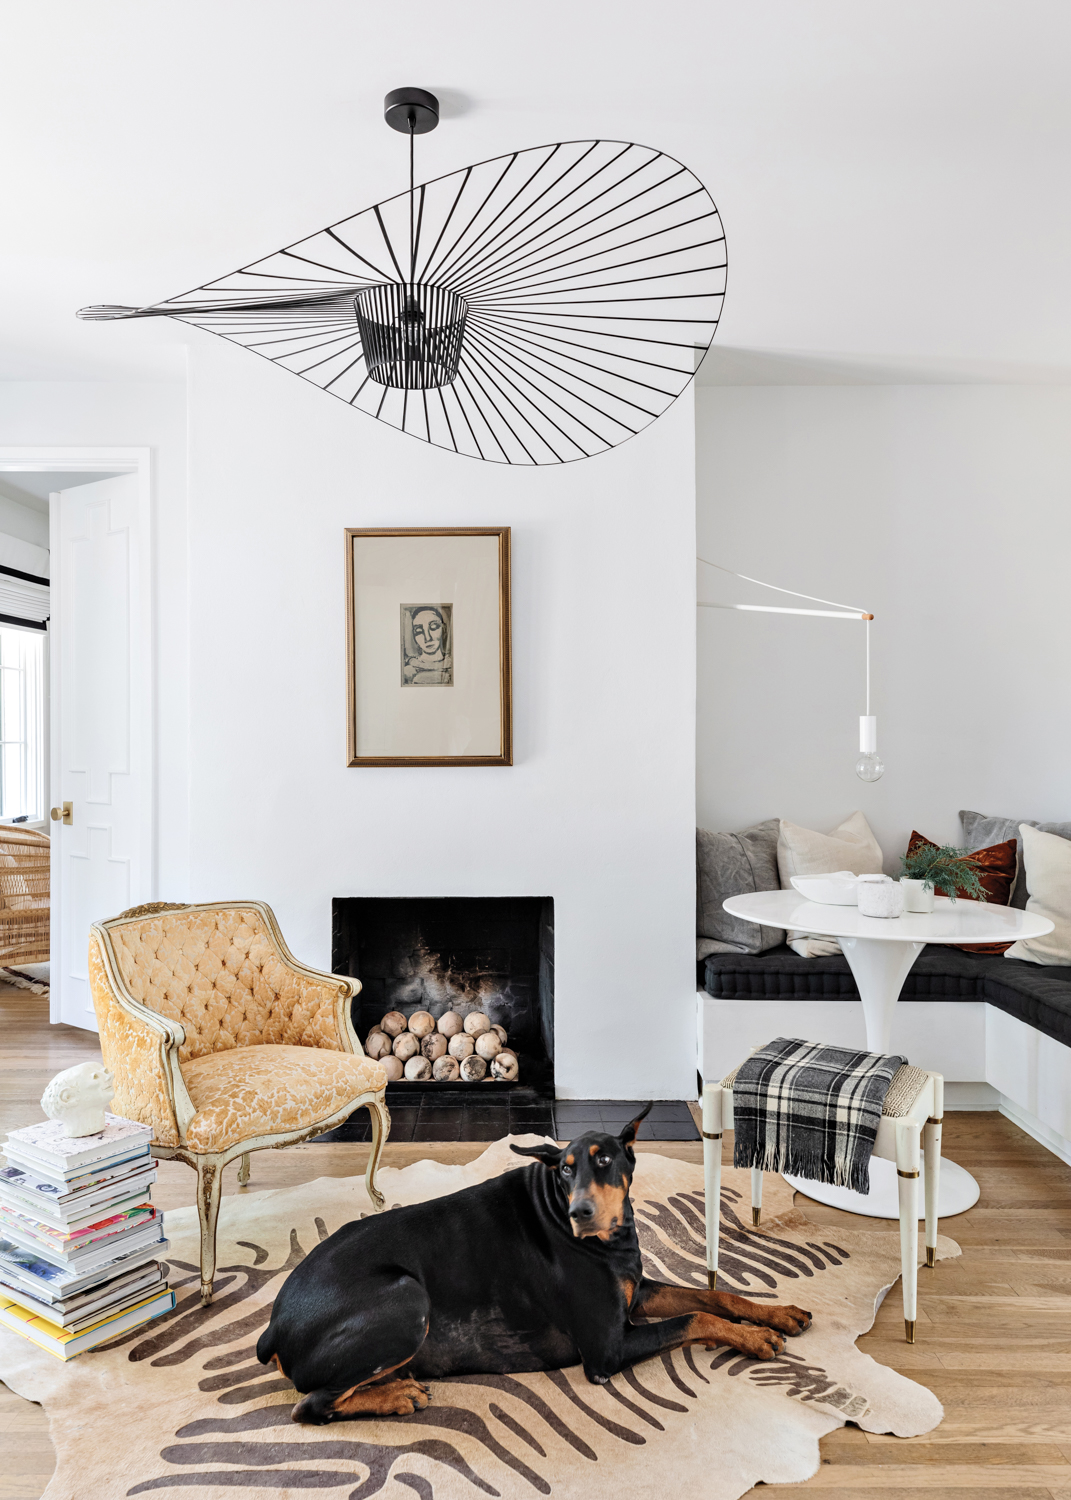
<point x="536" y="308"/>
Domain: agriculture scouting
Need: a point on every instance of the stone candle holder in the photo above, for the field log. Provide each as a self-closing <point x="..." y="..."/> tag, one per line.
<point x="879" y="896"/>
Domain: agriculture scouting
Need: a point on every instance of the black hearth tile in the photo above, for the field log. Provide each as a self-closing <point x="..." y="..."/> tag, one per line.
<point x="341" y="1135"/>
<point x="351" y="1131"/>
<point x="483" y="1130"/>
<point x="521" y="1116"/>
<point x="487" y="1113"/>
<point x="671" y="1109"/>
<point x="444" y="1117"/>
<point x="571" y="1130"/>
<point x="435" y="1130"/>
<point x="669" y="1131"/>
<point x="576" y="1109"/>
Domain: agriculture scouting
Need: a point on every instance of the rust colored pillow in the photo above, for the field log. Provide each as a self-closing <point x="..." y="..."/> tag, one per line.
<point x="996" y="867"/>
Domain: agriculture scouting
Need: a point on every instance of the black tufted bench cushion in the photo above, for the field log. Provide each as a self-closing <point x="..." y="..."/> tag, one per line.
<point x="1038" y="995"/>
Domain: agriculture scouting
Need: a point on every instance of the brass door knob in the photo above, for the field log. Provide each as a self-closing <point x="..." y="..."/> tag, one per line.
<point x="64" y="814"/>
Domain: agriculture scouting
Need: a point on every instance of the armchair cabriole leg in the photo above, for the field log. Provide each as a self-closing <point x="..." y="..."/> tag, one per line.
<point x="908" y="1157"/>
<point x="380" y="1131"/>
<point x="209" y="1186"/>
<point x="243" y="1170"/>
<point x="756" y="1195"/>
<point x="931" y="1139"/>
<point x="712" y="1134"/>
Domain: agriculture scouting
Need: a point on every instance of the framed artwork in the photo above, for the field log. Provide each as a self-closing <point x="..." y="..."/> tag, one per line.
<point x="428" y="646"/>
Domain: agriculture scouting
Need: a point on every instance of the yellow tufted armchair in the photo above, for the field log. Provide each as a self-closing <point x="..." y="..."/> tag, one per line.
<point x="222" y="1042"/>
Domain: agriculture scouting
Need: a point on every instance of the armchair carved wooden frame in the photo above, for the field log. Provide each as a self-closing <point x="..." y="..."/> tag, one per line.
<point x="223" y="1042"/>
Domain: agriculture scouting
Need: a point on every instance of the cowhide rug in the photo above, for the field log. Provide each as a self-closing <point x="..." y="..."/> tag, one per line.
<point x="182" y="1404"/>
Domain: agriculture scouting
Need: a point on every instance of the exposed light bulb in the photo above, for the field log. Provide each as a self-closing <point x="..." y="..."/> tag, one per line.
<point x="869" y="766"/>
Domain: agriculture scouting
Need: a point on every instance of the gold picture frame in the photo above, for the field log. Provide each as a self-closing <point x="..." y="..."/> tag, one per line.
<point x="428" y="646"/>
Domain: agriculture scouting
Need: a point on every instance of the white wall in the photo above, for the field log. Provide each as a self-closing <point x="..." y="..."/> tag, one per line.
<point x="75" y="414"/>
<point x="598" y="809"/>
<point x="946" y="510"/>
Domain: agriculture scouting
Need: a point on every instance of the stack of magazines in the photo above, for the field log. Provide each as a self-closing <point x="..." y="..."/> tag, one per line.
<point x="79" y="1238"/>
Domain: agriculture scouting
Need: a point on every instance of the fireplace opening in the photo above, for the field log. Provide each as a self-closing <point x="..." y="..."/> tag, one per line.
<point x="467" y="954"/>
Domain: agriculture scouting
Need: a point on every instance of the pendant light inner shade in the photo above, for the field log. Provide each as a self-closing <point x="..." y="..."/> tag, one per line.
<point x="411" y="336"/>
<point x="568" y="293"/>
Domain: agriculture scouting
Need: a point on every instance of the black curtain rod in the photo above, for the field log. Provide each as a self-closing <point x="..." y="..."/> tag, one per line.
<point x="29" y="577"/>
<point x="26" y="624"/>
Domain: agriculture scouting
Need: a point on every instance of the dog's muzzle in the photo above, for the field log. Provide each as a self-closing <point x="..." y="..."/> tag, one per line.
<point x="582" y="1213"/>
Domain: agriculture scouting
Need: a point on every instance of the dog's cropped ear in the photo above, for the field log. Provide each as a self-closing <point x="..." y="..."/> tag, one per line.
<point x="628" y="1135"/>
<point x="549" y="1154"/>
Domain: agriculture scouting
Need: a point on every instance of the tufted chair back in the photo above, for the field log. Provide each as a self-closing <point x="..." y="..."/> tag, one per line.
<point x="220" y="973"/>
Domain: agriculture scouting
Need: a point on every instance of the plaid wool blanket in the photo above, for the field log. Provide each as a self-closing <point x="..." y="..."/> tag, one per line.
<point x="809" y="1110"/>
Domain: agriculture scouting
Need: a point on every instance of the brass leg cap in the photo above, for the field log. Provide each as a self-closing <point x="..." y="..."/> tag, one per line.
<point x="756" y="1215"/>
<point x="712" y="1279"/>
<point x="931" y="1256"/>
<point x="909" y="1329"/>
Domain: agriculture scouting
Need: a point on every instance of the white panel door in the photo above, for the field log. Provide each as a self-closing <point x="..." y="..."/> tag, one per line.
<point x="101" y="723"/>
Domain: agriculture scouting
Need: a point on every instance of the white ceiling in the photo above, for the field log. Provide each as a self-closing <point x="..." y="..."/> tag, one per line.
<point x="892" y="176"/>
<point x="33" y="487"/>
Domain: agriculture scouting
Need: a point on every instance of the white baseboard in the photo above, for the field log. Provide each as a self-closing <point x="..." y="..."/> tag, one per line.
<point x="1044" y="1134"/>
<point x="971" y="1096"/>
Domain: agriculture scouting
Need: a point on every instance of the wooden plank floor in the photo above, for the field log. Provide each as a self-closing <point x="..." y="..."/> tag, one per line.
<point x="994" y="1327"/>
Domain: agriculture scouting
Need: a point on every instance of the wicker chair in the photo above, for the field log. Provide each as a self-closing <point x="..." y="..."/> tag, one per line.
<point x="222" y="1042"/>
<point x="24" y="891"/>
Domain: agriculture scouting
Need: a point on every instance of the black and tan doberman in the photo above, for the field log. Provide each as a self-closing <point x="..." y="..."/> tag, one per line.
<point x="534" y="1270"/>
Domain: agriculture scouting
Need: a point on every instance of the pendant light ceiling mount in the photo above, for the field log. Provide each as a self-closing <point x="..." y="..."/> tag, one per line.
<point x="533" y="309"/>
<point x="412" y="111"/>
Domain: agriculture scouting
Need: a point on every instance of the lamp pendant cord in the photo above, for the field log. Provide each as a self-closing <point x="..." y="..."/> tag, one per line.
<point x="868" y="668"/>
<point x="412" y="232"/>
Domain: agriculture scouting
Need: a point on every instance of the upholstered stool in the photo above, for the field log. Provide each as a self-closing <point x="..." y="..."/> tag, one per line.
<point x="910" y="1119"/>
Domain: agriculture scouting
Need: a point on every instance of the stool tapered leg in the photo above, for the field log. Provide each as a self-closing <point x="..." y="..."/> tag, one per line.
<point x="931" y="1137"/>
<point x="908" y="1157"/>
<point x="712" y="1134"/>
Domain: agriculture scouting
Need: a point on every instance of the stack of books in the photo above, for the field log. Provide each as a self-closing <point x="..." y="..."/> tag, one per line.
<point x="79" y="1237"/>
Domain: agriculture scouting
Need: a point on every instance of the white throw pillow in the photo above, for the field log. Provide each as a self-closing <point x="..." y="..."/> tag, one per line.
<point x="851" y="846"/>
<point x="1047" y="862"/>
<point x="801" y="851"/>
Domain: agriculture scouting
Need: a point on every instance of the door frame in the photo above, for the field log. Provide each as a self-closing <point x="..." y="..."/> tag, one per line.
<point x="106" y="460"/>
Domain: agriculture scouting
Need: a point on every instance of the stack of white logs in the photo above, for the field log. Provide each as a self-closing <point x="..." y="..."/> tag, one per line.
<point x="447" y="1050"/>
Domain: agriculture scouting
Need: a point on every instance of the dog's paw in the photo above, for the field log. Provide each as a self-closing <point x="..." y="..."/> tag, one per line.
<point x="761" y="1343"/>
<point x="409" y="1396"/>
<point x="790" y="1320"/>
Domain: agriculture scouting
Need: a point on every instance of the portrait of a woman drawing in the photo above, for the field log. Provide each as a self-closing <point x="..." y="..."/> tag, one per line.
<point x="427" y="645"/>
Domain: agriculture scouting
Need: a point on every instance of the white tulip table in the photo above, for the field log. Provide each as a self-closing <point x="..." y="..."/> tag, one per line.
<point x="880" y="952"/>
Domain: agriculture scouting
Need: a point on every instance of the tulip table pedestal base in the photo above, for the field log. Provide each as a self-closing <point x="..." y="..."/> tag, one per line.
<point x="958" y="1191"/>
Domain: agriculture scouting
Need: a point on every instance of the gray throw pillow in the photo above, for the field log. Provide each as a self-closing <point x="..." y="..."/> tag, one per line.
<point x="979" y="832"/>
<point x="733" y="864"/>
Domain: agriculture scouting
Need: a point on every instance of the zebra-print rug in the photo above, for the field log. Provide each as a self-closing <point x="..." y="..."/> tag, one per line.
<point x="183" y="1405"/>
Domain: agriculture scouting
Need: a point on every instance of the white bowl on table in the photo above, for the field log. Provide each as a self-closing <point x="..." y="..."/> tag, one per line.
<point x="837" y="889"/>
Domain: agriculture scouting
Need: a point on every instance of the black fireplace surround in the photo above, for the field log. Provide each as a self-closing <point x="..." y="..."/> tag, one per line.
<point x="463" y="953"/>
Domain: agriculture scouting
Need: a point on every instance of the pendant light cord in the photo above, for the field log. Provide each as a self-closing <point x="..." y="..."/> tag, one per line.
<point x="868" y="668"/>
<point x="412" y="232"/>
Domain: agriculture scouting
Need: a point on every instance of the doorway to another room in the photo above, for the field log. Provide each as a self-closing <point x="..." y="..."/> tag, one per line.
<point x="76" y="751"/>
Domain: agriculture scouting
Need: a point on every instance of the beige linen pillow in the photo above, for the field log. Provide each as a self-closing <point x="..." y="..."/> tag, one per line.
<point x="801" y="851"/>
<point x="1047" y="864"/>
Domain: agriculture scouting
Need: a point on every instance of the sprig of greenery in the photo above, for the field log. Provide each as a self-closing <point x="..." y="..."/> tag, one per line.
<point x="949" y="870"/>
